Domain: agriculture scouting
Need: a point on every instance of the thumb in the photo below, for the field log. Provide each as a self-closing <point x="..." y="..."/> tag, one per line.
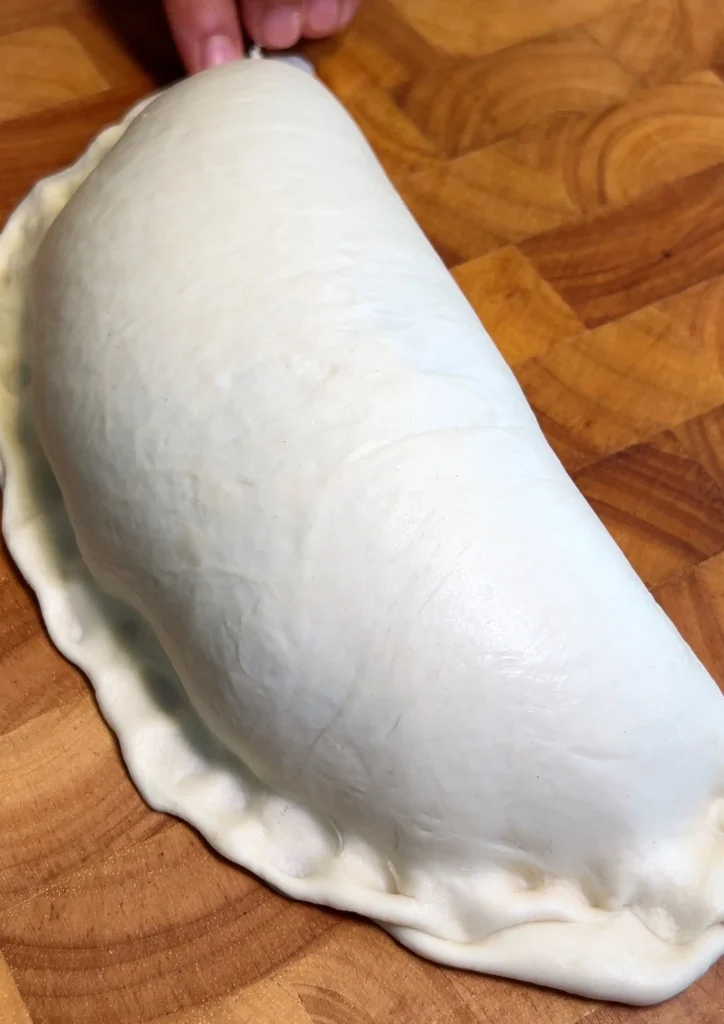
<point x="274" y="24"/>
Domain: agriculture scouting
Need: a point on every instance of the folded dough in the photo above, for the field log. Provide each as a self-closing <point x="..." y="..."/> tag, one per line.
<point x="340" y="601"/>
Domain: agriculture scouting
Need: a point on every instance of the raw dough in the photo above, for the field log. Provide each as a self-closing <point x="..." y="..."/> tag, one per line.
<point x="418" y="679"/>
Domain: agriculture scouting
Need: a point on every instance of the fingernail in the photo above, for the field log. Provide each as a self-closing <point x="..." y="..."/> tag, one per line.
<point x="348" y="9"/>
<point x="281" y="27"/>
<point x="219" y="50"/>
<point x="322" y="17"/>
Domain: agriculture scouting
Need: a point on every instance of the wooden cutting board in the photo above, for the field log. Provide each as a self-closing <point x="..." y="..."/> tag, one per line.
<point x="566" y="157"/>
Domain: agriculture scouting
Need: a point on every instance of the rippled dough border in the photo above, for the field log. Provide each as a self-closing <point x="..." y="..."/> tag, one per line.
<point x="179" y="769"/>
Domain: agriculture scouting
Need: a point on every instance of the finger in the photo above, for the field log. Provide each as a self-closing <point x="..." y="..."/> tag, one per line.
<point x="321" y="18"/>
<point x="206" y="32"/>
<point x="273" y="24"/>
<point x="348" y="9"/>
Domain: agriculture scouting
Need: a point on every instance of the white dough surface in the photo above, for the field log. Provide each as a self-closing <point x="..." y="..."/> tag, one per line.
<point x="284" y="503"/>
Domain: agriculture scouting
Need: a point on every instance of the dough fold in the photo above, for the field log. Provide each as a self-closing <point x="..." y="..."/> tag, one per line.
<point x="283" y="502"/>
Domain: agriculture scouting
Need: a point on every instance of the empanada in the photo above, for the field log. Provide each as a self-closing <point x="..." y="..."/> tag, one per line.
<point x="343" y="606"/>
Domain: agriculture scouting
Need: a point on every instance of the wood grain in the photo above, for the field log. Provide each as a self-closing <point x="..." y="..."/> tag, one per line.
<point x="518" y="308"/>
<point x="466" y="26"/>
<point x="12" y="1006"/>
<point x="465" y="104"/>
<point x="566" y="159"/>
<point x="679" y="241"/>
<point x="662" y="40"/>
<point x="70" y="76"/>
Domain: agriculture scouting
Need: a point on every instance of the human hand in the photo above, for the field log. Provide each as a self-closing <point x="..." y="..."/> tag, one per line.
<point x="210" y="32"/>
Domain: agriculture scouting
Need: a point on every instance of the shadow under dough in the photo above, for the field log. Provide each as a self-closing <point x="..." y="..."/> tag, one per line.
<point x="142" y="30"/>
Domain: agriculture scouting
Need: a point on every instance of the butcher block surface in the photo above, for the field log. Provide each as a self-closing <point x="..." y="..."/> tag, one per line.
<point x="566" y="158"/>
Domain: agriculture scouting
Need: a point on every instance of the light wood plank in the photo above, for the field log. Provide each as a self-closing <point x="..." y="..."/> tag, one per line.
<point x="31" y="81"/>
